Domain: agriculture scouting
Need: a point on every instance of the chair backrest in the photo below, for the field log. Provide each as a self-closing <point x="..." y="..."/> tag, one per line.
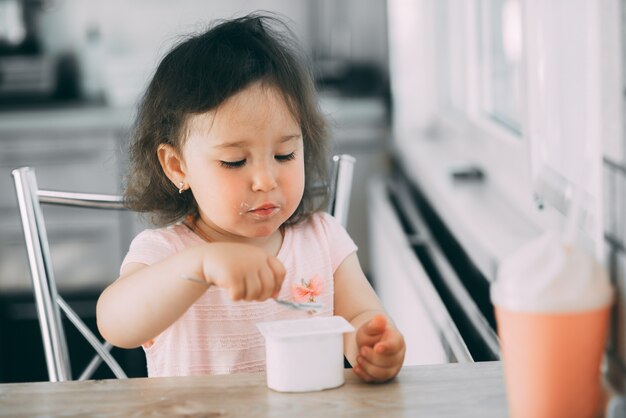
<point x="50" y="304"/>
<point x="341" y="187"/>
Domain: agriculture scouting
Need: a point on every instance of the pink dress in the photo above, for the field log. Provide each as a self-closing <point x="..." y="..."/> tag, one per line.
<point x="219" y="336"/>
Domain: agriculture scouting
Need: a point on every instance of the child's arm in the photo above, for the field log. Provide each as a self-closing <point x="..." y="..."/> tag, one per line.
<point x="146" y="300"/>
<point x="376" y="350"/>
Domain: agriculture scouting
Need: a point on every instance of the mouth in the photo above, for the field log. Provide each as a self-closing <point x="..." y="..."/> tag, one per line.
<point x="265" y="210"/>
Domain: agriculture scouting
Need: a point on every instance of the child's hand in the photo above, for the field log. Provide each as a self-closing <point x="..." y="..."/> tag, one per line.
<point x="381" y="351"/>
<point x="247" y="271"/>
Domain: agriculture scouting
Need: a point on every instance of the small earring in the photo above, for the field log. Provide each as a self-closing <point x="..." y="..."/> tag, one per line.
<point x="181" y="187"/>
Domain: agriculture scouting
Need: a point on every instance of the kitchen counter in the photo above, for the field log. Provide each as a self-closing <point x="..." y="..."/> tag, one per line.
<point x="488" y="227"/>
<point x="450" y="390"/>
<point x="352" y="120"/>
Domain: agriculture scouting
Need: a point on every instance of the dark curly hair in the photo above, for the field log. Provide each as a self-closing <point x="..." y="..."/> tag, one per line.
<point x="197" y="76"/>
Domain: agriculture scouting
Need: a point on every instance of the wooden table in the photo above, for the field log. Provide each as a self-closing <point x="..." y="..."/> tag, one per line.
<point x="451" y="390"/>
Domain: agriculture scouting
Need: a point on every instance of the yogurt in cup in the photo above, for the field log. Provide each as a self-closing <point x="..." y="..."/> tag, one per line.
<point x="304" y="355"/>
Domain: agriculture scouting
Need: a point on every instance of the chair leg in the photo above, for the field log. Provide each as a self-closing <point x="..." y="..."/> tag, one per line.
<point x="94" y="363"/>
<point x="92" y="339"/>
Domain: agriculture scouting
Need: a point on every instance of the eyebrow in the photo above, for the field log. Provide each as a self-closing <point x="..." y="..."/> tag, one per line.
<point x="240" y="144"/>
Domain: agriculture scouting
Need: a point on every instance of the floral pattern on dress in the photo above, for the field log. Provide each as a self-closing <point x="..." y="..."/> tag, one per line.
<point x="308" y="290"/>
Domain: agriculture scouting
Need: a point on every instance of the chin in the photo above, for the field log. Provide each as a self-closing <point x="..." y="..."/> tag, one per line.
<point x="258" y="230"/>
<point x="263" y="231"/>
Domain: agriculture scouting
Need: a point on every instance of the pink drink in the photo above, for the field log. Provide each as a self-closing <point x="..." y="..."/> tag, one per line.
<point x="552" y="362"/>
<point x="552" y="308"/>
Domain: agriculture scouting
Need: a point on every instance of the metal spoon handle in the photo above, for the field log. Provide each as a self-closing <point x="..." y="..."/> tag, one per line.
<point x="298" y="305"/>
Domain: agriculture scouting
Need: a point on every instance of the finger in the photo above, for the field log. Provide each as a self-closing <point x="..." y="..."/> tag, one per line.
<point x="237" y="290"/>
<point x="362" y="374"/>
<point x="378" y="373"/>
<point x="381" y="360"/>
<point x="253" y="286"/>
<point x="363" y="339"/>
<point x="372" y="331"/>
<point x="267" y="283"/>
<point x="279" y="273"/>
<point x="376" y="325"/>
<point x="389" y="344"/>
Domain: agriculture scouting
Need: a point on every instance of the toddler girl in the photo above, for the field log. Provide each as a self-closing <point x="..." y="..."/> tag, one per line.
<point x="227" y="147"/>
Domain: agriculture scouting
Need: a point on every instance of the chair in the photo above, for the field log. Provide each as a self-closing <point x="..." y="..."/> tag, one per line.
<point x="341" y="187"/>
<point x="50" y="304"/>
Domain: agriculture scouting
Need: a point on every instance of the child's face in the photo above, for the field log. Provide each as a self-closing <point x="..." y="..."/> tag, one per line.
<point x="244" y="163"/>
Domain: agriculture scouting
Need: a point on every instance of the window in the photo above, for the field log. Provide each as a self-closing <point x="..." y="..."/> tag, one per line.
<point x="451" y="55"/>
<point x="524" y="89"/>
<point x="499" y="57"/>
<point x="478" y="53"/>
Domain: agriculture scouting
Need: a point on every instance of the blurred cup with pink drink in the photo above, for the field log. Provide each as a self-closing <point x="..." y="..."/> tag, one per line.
<point x="552" y="302"/>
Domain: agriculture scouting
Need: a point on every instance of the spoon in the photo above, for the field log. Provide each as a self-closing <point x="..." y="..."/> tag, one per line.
<point x="303" y="306"/>
<point x="313" y="306"/>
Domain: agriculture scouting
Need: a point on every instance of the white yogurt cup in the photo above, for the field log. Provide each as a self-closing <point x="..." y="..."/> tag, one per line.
<point x="304" y="355"/>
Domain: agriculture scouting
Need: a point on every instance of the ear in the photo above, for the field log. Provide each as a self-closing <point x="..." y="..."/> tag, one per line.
<point x="171" y="163"/>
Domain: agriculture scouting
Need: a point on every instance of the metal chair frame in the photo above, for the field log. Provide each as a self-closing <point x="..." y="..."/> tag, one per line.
<point x="50" y="304"/>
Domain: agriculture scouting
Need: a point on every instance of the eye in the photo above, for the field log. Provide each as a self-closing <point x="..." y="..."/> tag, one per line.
<point x="233" y="164"/>
<point x="286" y="157"/>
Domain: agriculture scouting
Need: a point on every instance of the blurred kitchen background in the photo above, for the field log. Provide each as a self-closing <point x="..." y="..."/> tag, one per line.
<point x="473" y="123"/>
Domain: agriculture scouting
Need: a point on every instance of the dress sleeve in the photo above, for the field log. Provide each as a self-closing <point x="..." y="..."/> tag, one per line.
<point x="340" y="243"/>
<point x="149" y="247"/>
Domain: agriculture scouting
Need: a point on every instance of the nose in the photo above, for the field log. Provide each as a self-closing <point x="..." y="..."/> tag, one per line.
<point x="264" y="178"/>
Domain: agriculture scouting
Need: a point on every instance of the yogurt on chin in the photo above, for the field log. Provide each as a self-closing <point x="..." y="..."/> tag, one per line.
<point x="545" y="275"/>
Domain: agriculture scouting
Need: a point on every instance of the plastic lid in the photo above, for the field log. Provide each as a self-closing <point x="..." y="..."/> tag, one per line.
<point x="304" y="327"/>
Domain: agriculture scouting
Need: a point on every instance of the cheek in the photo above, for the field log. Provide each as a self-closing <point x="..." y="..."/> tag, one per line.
<point x="219" y="194"/>
<point x="294" y="183"/>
